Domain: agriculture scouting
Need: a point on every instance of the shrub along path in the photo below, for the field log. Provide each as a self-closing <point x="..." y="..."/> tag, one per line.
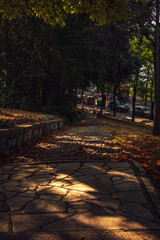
<point x="69" y="186"/>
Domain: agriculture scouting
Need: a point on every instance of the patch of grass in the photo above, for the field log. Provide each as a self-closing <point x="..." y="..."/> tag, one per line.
<point x="139" y="141"/>
<point x="10" y="117"/>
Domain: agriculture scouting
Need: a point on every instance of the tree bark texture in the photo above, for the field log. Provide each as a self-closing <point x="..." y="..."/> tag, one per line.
<point x="156" y="127"/>
<point x="152" y="103"/>
<point x="114" y="102"/>
<point x="134" y="94"/>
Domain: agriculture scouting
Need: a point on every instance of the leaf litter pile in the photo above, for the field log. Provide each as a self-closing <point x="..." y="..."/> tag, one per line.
<point x="138" y="141"/>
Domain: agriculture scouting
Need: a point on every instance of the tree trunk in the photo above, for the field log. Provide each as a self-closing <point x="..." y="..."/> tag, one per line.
<point x="103" y="102"/>
<point x="101" y="111"/>
<point x="152" y="103"/>
<point x="114" y="101"/>
<point x="81" y="96"/>
<point x="134" y="103"/>
<point x="152" y="111"/>
<point x="156" y="127"/>
<point x="115" y="89"/>
<point x="146" y="90"/>
<point x="134" y="94"/>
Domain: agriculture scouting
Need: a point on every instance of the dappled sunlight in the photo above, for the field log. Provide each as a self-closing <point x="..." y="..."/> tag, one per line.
<point x="73" y="184"/>
<point x="53" y="190"/>
<point x="22" y="118"/>
<point x="121" y="173"/>
<point x="149" y="124"/>
<point x="141" y="120"/>
<point x="100" y="169"/>
<point x="49" y="145"/>
<point x="82" y="187"/>
<point x="137" y="119"/>
<point x="108" y="222"/>
<point x="79" y="197"/>
<point x="66" y="146"/>
<point x="125" y="116"/>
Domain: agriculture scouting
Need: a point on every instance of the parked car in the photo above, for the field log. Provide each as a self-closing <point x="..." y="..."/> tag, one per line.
<point x="142" y="111"/>
<point x="111" y="104"/>
<point x="122" y="108"/>
<point x="119" y="106"/>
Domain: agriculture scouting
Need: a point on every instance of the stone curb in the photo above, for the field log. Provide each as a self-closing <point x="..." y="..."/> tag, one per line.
<point x="153" y="195"/>
<point x="152" y="192"/>
<point x="15" y="137"/>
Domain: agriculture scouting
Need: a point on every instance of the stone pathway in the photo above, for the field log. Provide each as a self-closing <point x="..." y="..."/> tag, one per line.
<point x="69" y="187"/>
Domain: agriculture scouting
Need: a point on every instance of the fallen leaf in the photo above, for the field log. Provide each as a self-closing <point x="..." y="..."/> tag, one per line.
<point x="87" y="158"/>
<point x="82" y="238"/>
<point x="79" y="149"/>
<point x="123" y="156"/>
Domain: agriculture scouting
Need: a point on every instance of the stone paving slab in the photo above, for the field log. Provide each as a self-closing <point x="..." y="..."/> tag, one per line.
<point x="88" y="194"/>
<point x="103" y="199"/>
<point x="4" y="222"/>
<point x="77" y="235"/>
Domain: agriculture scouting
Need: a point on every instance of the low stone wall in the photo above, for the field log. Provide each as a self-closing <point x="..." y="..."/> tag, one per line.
<point x="15" y="137"/>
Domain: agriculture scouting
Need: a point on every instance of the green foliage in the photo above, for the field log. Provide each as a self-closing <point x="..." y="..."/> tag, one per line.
<point x="146" y="83"/>
<point x="45" y="65"/>
<point x="113" y="49"/>
<point x="42" y="66"/>
<point x="142" y="50"/>
<point x="53" y="12"/>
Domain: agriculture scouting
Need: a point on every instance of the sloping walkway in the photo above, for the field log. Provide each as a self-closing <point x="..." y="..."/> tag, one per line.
<point x="69" y="188"/>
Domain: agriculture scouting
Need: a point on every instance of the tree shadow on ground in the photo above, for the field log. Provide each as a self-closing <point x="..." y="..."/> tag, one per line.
<point x="89" y="199"/>
<point x="67" y="188"/>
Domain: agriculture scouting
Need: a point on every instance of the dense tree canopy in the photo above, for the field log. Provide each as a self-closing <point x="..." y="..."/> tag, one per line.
<point x="145" y="20"/>
<point x="112" y="40"/>
<point x="42" y="65"/>
<point x="66" y="64"/>
<point x="56" y="11"/>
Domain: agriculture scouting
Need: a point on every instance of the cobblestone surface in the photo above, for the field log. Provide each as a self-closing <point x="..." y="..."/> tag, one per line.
<point x="71" y="184"/>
